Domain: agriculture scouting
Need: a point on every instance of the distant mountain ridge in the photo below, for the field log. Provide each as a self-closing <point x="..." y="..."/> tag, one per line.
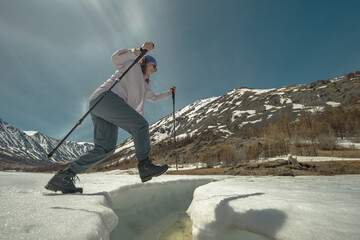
<point x="32" y="146"/>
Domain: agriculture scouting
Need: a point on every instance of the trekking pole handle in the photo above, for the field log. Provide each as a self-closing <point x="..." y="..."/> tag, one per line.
<point x="173" y="95"/>
<point x="143" y="51"/>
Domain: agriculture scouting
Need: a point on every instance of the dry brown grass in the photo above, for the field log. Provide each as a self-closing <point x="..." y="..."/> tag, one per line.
<point x="279" y="168"/>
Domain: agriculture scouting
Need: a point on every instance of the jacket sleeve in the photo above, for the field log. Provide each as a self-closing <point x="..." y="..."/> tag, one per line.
<point x="152" y="97"/>
<point x="120" y="57"/>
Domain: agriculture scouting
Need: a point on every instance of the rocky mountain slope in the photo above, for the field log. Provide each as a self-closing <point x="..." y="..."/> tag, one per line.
<point x="243" y="109"/>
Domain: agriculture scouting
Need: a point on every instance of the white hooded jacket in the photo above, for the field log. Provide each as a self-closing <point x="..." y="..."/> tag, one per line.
<point x="132" y="88"/>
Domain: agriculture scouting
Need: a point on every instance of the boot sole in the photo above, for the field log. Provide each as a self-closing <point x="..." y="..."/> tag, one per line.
<point x="150" y="177"/>
<point x="55" y="188"/>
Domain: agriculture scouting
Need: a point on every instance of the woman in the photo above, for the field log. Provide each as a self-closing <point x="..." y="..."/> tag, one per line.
<point x="122" y="107"/>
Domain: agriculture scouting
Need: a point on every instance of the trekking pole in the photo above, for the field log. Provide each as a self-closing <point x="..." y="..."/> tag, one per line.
<point x="173" y="97"/>
<point x="143" y="52"/>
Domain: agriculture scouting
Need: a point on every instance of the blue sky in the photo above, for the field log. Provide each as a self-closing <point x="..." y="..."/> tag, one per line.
<point x="54" y="54"/>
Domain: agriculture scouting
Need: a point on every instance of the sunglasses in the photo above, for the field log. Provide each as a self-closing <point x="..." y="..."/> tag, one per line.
<point x="154" y="66"/>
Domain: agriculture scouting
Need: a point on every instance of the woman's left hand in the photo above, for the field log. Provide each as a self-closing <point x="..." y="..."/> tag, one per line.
<point x="173" y="88"/>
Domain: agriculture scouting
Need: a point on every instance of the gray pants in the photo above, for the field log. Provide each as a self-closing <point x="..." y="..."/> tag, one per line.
<point x="113" y="112"/>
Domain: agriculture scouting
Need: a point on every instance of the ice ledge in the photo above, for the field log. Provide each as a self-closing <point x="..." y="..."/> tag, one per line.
<point x="28" y="211"/>
<point x="309" y="207"/>
<point x="143" y="210"/>
<point x="147" y="210"/>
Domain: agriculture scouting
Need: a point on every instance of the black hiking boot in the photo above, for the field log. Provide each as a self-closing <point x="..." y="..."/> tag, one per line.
<point x="147" y="170"/>
<point x="63" y="181"/>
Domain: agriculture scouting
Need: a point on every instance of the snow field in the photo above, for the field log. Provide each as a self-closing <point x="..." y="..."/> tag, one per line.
<point x="347" y="143"/>
<point x="145" y="210"/>
<point x="309" y="207"/>
<point x="28" y="211"/>
<point x="277" y="208"/>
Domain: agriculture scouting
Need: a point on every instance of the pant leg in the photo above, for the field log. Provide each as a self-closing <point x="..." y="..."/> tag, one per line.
<point x="105" y="137"/>
<point x="116" y="111"/>
<point x="113" y="112"/>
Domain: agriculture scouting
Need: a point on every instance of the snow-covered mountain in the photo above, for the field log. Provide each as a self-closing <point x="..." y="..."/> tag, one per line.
<point x="241" y="109"/>
<point x="32" y="147"/>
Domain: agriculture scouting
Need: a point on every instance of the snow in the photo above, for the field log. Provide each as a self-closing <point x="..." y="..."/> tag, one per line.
<point x="278" y="93"/>
<point x="128" y="145"/>
<point x="277" y="208"/>
<point x="347" y="143"/>
<point x="215" y="108"/>
<point x="316" y="109"/>
<point x="239" y="91"/>
<point x="227" y="132"/>
<point x="313" y="109"/>
<point x="195" y="106"/>
<point x="222" y="207"/>
<point x="238" y="113"/>
<point x="308" y="159"/>
<point x="82" y="143"/>
<point x="249" y="122"/>
<point x="333" y="104"/>
<point x="187" y="166"/>
<point x="285" y="100"/>
<point x="297" y="106"/>
<point x="336" y="79"/>
<point x="261" y="91"/>
<point x="29" y="211"/>
<point x="268" y="107"/>
<point x="30" y="133"/>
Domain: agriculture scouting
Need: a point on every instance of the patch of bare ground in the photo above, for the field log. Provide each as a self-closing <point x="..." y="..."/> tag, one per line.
<point x="201" y="171"/>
